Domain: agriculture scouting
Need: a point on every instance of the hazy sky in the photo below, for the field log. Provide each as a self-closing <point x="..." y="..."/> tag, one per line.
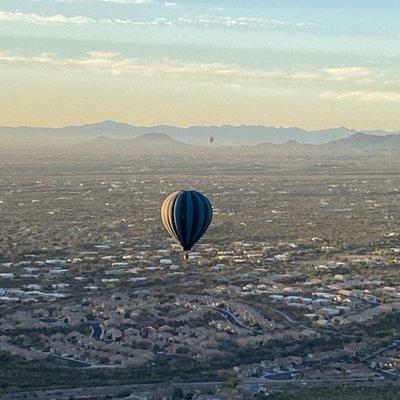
<point x="309" y="63"/>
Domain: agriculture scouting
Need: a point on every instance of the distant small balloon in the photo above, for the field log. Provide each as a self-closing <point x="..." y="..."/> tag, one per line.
<point x="211" y="139"/>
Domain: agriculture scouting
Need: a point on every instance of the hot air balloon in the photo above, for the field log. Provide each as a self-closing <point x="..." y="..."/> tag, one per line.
<point x="186" y="215"/>
<point x="211" y="139"/>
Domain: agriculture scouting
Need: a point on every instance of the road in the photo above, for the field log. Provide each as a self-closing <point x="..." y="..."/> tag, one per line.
<point x="387" y="374"/>
<point x="234" y="321"/>
<point x="100" y="392"/>
<point x="143" y="389"/>
<point x="392" y="346"/>
<point x="72" y="361"/>
<point x="282" y="314"/>
<point x="320" y="381"/>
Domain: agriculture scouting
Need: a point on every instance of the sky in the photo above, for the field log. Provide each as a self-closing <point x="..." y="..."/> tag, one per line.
<point x="308" y="63"/>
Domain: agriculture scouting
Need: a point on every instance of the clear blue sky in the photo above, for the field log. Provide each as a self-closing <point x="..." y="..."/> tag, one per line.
<point x="310" y="63"/>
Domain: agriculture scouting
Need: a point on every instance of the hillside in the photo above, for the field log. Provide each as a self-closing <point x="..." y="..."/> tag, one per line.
<point x="152" y="143"/>
<point x="365" y="142"/>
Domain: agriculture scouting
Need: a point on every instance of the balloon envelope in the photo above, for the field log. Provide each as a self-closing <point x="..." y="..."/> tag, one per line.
<point x="186" y="215"/>
<point x="211" y="139"/>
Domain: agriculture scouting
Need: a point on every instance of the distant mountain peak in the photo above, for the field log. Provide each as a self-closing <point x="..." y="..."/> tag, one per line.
<point x="291" y="142"/>
<point x="360" y="134"/>
<point x="147" y="143"/>
<point x="154" y="136"/>
<point x="111" y="122"/>
<point x="101" y="138"/>
<point x="157" y="138"/>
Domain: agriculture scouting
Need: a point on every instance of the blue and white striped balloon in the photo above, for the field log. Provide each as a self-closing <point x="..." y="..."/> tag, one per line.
<point x="186" y="215"/>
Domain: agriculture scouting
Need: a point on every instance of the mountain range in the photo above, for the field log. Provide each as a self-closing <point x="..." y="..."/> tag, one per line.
<point x="226" y="135"/>
<point x="160" y="143"/>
